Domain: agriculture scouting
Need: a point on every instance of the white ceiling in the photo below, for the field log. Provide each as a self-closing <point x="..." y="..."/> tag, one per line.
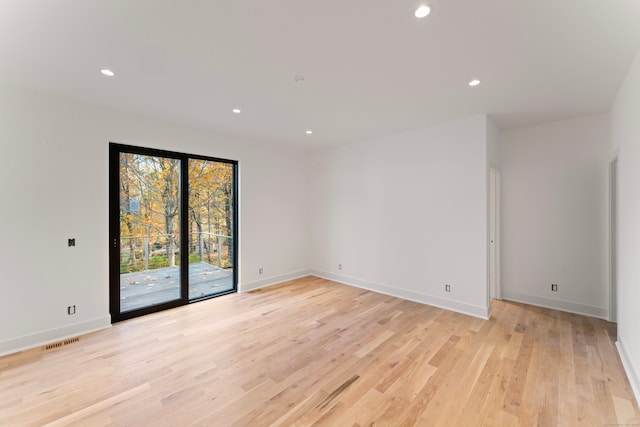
<point x="370" y="67"/>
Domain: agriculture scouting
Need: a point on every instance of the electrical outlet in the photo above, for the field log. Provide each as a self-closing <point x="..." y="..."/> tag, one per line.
<point x="260" y="270"/>
<point x="554" y="287"/>
<point x="339" y="266"/>
<point x="447" y="288"/>
<point x="72" y="242"/>
<point x="71" y="310"/>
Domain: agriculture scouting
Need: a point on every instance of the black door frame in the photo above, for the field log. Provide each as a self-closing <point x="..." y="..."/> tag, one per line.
<point x="114" y="228"/>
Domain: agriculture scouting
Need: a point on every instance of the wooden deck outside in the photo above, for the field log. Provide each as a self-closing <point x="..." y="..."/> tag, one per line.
<point x="152" y="287"/>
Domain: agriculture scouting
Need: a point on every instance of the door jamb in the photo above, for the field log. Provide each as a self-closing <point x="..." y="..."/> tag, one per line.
<point x="613" y="237"/>
<point x="495" y="291"/>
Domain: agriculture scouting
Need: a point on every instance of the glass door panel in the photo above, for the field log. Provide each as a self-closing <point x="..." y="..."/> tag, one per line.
<point x="150" y="200"/>
<point x="211" y="228"/>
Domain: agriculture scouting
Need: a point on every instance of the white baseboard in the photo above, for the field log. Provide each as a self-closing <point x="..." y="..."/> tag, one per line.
<point x="252" y="286"/>
<point x="556" y="304"/>
<point x="630" y="370"/>
<point x="49" y="336"/>
<point x="447" y="304"/>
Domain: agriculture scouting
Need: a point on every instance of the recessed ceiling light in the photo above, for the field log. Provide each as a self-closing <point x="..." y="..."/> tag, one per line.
<point x="107" y="72"/>
<point x="423" y="11"/>
<point x="309" y="132"/>
<point x="237" y="110"/>
<point x="474" y="82"/>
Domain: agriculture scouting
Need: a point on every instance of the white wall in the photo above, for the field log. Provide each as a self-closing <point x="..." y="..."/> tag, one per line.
<point x="625" y="118"/>
<point x="554" y="214"/>
<point x="54" y="185"/>
<point x="493" y="146"/>
<point x="406" y="214"/>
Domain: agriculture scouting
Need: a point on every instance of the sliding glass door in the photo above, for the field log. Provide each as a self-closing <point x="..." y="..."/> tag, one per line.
<point x="149" y="235"/>
<point x="211" y="228"/>
<point x="173" y="229"/>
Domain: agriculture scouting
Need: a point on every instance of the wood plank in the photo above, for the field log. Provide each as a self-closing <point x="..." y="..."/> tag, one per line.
<point x="311" y="351"/>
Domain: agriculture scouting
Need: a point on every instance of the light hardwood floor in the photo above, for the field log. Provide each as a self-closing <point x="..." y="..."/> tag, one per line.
<point x="312" y="351"/>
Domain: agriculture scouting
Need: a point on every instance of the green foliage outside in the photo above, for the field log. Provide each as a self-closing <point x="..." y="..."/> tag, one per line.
<point x="149" y="212"/>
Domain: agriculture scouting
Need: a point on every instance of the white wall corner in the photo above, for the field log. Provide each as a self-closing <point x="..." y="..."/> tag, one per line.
<point x="556" y="304"/>
<point x="629" y="368"/>
<point x="49" y="336"/>
<point x="272" y="280"/>
<point x="444" y="303"/>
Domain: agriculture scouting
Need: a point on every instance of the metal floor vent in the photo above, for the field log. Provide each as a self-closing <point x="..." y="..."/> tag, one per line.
<point x="61" y="343"/>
